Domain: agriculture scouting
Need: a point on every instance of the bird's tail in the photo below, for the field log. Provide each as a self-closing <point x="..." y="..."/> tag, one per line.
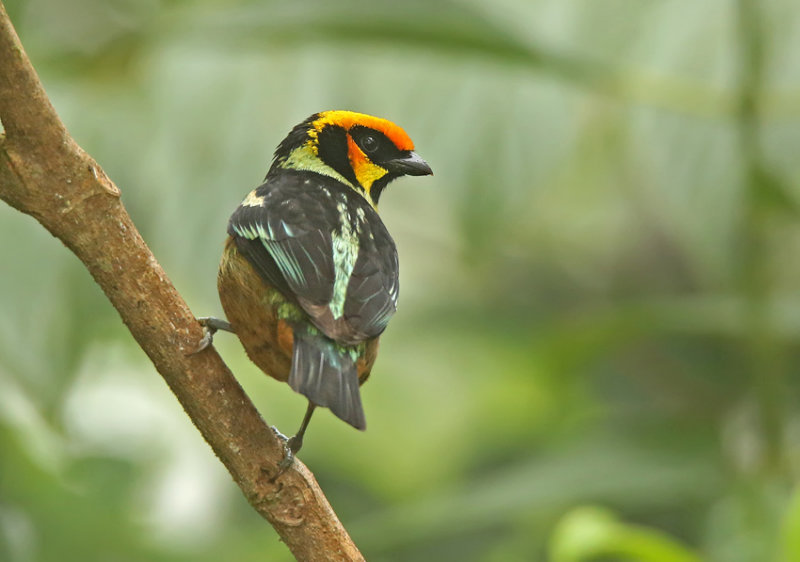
<point x="326" y="374"/>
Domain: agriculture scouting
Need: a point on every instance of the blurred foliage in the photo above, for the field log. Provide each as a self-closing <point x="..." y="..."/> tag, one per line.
<point x="587" y="532"/>
<point x="596" y="352"/>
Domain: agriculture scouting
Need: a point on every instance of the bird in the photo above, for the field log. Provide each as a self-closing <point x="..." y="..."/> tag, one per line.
<point x="308" y="278"/>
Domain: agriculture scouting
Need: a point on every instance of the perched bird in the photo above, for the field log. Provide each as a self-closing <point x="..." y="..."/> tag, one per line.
<point x="309" y="275"/>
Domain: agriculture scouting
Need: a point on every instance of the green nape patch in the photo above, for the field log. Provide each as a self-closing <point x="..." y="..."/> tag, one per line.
<point x="287" y="310"/>
<point x="292" y="313"/>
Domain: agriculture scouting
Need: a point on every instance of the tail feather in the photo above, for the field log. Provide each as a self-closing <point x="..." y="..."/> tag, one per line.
<point x="327" y="376"/>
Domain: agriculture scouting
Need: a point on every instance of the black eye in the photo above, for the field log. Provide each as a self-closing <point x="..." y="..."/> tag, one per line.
<point x="369" y="143"/>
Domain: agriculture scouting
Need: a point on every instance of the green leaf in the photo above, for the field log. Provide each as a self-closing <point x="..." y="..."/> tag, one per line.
<point x="586" y="533"/>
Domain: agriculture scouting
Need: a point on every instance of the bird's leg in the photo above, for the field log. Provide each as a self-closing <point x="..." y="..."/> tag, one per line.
<point x="292" y="445"/>
<point x="210" y="326"/>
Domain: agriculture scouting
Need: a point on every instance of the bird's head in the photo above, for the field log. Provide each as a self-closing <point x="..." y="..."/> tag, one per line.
<point x="362" y="151"/>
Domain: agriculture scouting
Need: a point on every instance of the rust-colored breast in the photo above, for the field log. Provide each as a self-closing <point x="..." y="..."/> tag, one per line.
<point x="251" y="306"/>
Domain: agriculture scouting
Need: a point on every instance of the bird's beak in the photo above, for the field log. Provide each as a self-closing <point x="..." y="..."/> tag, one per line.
<point x="410" y="164"/>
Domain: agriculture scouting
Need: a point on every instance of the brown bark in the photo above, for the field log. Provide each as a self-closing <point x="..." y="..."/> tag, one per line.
<point x="45" y="174"/>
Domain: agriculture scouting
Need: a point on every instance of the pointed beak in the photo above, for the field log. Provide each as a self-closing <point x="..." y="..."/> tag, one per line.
<point x="410" y="164"/>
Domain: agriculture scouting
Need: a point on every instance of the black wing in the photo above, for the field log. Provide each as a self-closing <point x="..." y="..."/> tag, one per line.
<point x="325" y="248"/>
<point x="373" y="289"/>
<point x="283" y="230"/>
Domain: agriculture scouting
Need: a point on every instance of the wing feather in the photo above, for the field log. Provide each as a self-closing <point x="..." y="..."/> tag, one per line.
<point x="287" y="230"/>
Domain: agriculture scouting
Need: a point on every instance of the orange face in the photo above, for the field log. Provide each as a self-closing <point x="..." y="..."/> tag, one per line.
<point x="365" y="170"/>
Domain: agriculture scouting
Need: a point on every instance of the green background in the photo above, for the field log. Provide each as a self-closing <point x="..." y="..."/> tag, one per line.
<point x="597" y="347"/>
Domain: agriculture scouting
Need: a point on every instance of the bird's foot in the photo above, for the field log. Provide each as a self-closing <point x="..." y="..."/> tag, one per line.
<point x="210" y="326"/>
<point x="292" y="445"/>
<point x="278" y="434"/>
<point x="290" y="448"/>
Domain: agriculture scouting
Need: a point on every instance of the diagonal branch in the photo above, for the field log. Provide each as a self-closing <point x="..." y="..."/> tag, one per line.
<point x="45" y="174"/>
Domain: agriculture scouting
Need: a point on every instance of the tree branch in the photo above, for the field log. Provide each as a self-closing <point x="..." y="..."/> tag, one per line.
<point x="45" y="174"/>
